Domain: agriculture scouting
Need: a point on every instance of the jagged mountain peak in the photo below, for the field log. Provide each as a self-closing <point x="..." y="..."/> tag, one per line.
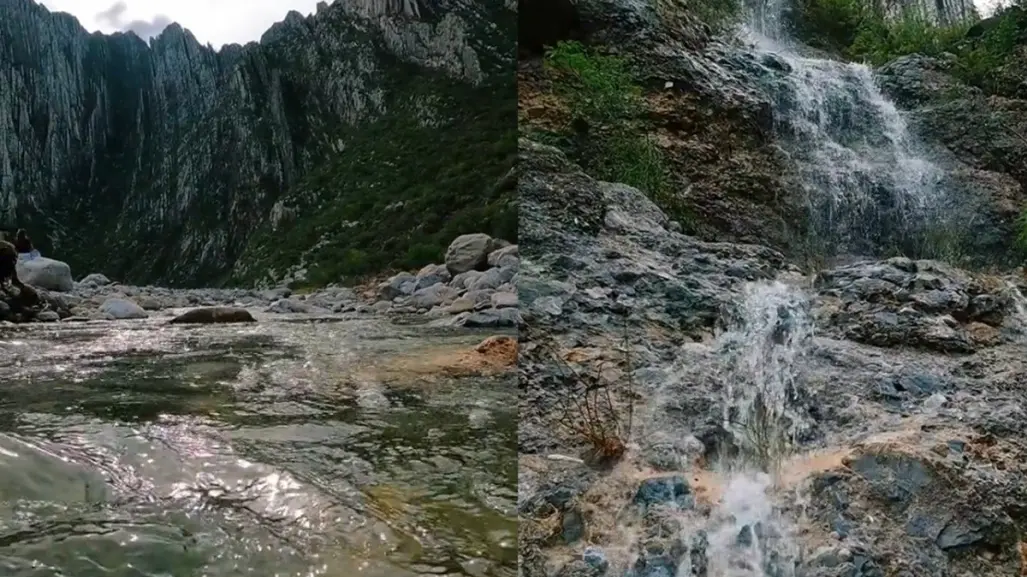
<point x="372" y="8"/>
<point x="175" y="152"/>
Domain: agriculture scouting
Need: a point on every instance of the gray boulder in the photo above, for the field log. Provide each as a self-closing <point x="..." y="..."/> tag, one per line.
<point x="469" y="252"/>
<point x="46" y="273"/>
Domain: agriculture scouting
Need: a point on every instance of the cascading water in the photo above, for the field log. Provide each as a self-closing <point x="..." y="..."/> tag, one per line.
<point x="763" y="350"/>
<point x="1019" y="307"/>
<point x="747" y="535"/>
<point x="868" y="188"/>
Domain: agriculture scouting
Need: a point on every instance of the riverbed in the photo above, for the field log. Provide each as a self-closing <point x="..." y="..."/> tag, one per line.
<point x="290" y="447"/>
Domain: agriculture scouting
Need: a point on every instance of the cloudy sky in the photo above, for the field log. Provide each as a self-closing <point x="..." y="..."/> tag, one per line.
<point x="216" y="21"/>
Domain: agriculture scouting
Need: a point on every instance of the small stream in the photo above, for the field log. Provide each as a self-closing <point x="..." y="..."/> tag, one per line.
<point x="137" y="448"/>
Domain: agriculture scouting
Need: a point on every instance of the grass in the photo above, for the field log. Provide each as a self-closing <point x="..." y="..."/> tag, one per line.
<point x="403" y="188"/>
<point x="859" y="31"/>
<point x="605" y="133"/>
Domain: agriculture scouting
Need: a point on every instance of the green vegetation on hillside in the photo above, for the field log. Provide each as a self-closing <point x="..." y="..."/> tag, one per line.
<point x="859" y="31"/>
<point x="604" y="131"/>
<point x="431" y="169"/>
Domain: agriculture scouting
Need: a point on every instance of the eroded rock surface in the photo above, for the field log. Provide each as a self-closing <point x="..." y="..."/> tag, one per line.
<point x="901" y="400"/>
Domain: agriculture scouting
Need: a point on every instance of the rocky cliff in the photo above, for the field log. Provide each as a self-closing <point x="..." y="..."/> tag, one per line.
<point x="171" y="162"/>
<point x="693" y="403"/>
<point x="936" y="11"/>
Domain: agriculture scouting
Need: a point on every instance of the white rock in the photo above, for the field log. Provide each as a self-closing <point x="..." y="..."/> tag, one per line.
<point x="46" y="273"/>
<point x="935" y="401"/>
<point x="117" y="309"/>
<point x="95" y="279"/>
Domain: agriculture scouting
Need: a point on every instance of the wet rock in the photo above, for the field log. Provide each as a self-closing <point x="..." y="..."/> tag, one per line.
<point x="469" y="252"/>
<point x="213" y="315"/>
<point x="596" y="558"/>
<point x="904" y="303"/>
<point x="119" y="309"/>
<point x="578" y="568"/>
<point x="46" y="317"/>
<point x="673" y="490"/>
<point x="573" y="526"/>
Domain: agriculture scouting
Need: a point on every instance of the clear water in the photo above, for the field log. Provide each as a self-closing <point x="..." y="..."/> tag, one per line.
<point x="142" y="449"/>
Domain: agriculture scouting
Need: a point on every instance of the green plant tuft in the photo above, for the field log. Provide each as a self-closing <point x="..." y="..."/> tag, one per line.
<point x="606" y="134"/>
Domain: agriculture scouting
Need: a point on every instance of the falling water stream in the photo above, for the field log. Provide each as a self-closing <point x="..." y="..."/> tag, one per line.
<point x="869" y="188"/>
<point x="869" y="191"/>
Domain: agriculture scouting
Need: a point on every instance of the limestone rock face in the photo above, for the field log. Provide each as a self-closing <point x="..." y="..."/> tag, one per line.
<point x="108" y="143"/>
<point x="941" y="12"/>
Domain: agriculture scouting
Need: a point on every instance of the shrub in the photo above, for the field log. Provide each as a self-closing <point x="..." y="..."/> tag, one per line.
<point x="592" y="410"/>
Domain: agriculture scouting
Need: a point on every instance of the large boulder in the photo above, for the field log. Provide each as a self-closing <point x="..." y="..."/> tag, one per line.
<point x="46" y="273"/>
<point x="469" y="252"/>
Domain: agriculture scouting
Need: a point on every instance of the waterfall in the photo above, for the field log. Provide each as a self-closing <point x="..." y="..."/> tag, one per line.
<point x="868" y="187"/>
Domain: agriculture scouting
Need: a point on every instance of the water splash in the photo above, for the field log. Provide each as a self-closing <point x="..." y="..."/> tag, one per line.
<point x="762" y="351"/>
<point x="748" y="537"/>
<point x="868" y="187"/>
<point x="1019" y="305"/>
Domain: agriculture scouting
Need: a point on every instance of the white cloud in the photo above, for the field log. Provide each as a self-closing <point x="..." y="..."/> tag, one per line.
<point x="986" y="7"/>
<point x="216" y="21"/>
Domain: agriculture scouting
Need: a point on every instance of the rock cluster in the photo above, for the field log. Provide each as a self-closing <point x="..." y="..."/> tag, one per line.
<point x="905" y="303"/>
<point x="907" y="457"/>
<point x="476" y="287"/>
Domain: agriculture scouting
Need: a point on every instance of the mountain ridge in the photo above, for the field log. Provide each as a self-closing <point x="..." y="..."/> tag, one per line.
<point x="174" y="153"/>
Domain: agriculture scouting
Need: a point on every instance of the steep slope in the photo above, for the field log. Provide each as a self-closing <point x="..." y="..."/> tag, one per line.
<point x="156" y="163"/>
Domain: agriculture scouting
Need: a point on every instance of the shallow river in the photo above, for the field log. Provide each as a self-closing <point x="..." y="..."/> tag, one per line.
<point x="283" y="448"/>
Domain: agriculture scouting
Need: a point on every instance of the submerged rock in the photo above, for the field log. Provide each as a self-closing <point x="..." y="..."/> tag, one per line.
<point x="209" y="315"/>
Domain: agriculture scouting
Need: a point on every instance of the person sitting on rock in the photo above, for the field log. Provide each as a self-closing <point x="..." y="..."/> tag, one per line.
<point x="9" y="265"/>
<point x="23" y="244"/>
